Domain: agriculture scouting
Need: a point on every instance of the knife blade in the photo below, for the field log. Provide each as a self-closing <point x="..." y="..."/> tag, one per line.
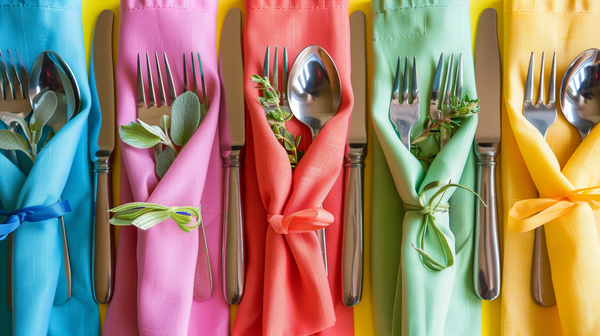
<point x="233" y="137"/>
<point x="101" y="147"/>
<point x="487" y="139"/>
<point x="353" y="255"/>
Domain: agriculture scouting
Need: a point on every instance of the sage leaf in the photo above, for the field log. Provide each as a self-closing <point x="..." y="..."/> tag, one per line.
<point x="152" y="129"/>
<point x="23" y="124"/>
<point x="165" y="123"/>
<point x="43" y="111"/>
<point x="164" y="160"/>
<point x="185" y="117"/>
<point x="136" y="135"/>
<point x="12" y="141"/>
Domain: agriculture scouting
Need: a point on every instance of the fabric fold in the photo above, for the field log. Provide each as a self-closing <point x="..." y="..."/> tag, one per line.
<point x="163" y="259"/>
<point x="422" y="292"/>
<point x="62" y="170"/>
<point x="286" y="270"/>
<point x="560" y="169"/>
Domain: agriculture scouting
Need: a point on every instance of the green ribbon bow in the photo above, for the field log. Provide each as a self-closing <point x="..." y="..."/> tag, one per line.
<point x="146" y="215"/>
<point x="429" y="209"/>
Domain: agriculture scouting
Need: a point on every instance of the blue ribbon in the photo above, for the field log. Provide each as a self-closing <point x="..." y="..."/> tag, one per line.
<point x="37" y="213"/>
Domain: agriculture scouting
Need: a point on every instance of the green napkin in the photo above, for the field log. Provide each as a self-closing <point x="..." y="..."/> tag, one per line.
<point x="409" y="297"/>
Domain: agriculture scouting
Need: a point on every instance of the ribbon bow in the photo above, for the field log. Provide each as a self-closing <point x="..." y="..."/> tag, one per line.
<point x="529" y="214"/>
<point x="429" y="209"/>
<point x="36" y="213"/>
<point x="301" y="221"/>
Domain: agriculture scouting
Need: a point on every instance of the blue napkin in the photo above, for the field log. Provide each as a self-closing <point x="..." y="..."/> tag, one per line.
<point x="62" y="170"/>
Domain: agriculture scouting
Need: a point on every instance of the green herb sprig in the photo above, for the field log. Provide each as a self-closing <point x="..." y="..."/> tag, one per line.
<point x="186" y="116"/>
<point x="454" y="112"/>
<point x="277" y="117"/>
<point x="44" y="110"/>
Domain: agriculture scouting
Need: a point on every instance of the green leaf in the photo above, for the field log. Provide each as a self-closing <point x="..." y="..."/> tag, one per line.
<point x="150" y="219"/>
<point x="164" y="161"/>
<point x="138" y="136"/>
<point x="165" y="123"/>
<point x="257" y="79"/>
<point x="152" y="129"/>
<point x="49" y="136"/>
<point x="185" y="115"/>
<point x="13" y="141"/>
<point x="44" y="109"/>
<point x="297" y="140"/>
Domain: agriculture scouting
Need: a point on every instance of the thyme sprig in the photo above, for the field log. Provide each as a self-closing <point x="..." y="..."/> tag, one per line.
<point x="277" y="117"/>
<point x="454" y="112"/>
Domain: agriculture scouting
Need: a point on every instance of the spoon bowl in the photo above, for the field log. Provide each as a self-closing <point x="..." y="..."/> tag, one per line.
<point x="314" y="89"/>
<point x="51" y="73"/>
<point x="580" y="92"/>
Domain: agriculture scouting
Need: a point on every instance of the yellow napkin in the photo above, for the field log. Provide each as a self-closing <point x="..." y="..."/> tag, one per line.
<point x="558" y="168"/>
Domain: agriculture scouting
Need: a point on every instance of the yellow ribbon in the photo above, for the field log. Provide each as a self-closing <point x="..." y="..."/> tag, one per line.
<point x="526" y="215"/>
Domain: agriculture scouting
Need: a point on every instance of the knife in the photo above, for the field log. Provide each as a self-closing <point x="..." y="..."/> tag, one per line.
<point x="352" y="245"/>
<point x="233" y="137"/>
<point x="102" y="79"/>
<point x="487" y="139"/>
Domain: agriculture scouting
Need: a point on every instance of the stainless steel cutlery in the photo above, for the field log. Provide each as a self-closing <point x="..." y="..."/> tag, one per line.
<point x="487" y="140"/>
<point x="150" y="108"/>
<point x="101" y="154"/>
<point x="404" y="114"/>
<point x="232" y="142"/>
<point x="541" y="116"/>
<point x="437" y="102"/>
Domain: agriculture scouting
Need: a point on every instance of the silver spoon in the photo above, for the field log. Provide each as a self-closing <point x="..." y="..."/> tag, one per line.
<point x="51" y="73"/>
<point x="580" y="90"/>
<point x="314" y="94"/>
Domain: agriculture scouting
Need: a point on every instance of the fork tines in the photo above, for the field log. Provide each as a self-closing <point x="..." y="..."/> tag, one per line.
<point x="275" y="83"/>
<point x="404" y="114"/>
<point x="13" y="77"/>
<point x="169" y="90"/>
<point x="541" y="115"/>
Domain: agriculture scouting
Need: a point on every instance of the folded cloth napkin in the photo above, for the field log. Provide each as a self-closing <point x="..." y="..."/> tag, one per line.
<point x="155" y="276"/>
<point x="409" y="297"/>
<point x="61" y="170"/>
<point x="287" y="290"/>
<point x="558" y="168"/>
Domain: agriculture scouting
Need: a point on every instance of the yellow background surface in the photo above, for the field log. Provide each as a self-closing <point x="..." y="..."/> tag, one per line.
<point x="363" y="312"/>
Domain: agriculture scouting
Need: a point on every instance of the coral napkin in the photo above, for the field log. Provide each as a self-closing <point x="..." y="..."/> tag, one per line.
<point x="410" y="298"/>
<point x="555" y="167"/>
<point x="287" y="290"/>
<point x="156" y="269"/>
<point x="62" y="169"/>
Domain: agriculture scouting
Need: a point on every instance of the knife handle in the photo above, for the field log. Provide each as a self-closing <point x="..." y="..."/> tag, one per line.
<point x="541" y="277"/>
<point x="233" y="231"/>
<point x="487" y="247"/>
<point x="104" y="255"/>
<point x="352" y="245"/>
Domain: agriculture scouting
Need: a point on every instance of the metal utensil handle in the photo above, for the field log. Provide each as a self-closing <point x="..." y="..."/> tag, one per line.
<point x="233" y="235"/>
<point x="66" y="257"/>
<point x="487" y="278"/>
<point x="323" y="244"/>
<point x="541" y="277"/>
<point x="103" y="234"/>
<point x="353" y="257"/>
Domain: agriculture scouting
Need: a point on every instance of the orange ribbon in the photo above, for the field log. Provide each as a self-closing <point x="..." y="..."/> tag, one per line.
<point x="301" y="221"/>
<point x="529" y="214"/>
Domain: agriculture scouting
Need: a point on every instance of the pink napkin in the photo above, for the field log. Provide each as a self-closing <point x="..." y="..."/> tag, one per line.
<point x="156" y="268"/>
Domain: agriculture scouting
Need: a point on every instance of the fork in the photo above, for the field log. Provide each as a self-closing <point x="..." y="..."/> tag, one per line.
<point x="15" y="96"/>
<point x="404" y="115"/>
<point x="541" y="116"/>
<point x="435" y="110"/>
<point x="150" y="110"/>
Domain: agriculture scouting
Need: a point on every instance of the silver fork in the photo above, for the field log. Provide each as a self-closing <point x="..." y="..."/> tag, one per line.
<point x="437" y="102"/>
<point x="150" y="110"/>
<point x="541" y="116"/>
<point x="404" y="115"/>
<point x="15" y="96"/>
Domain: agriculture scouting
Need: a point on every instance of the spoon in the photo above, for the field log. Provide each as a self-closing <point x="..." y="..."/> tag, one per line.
<point x="314" y="94"/>
<point x="578" y="91"/>
<point x="51" y="73"/>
